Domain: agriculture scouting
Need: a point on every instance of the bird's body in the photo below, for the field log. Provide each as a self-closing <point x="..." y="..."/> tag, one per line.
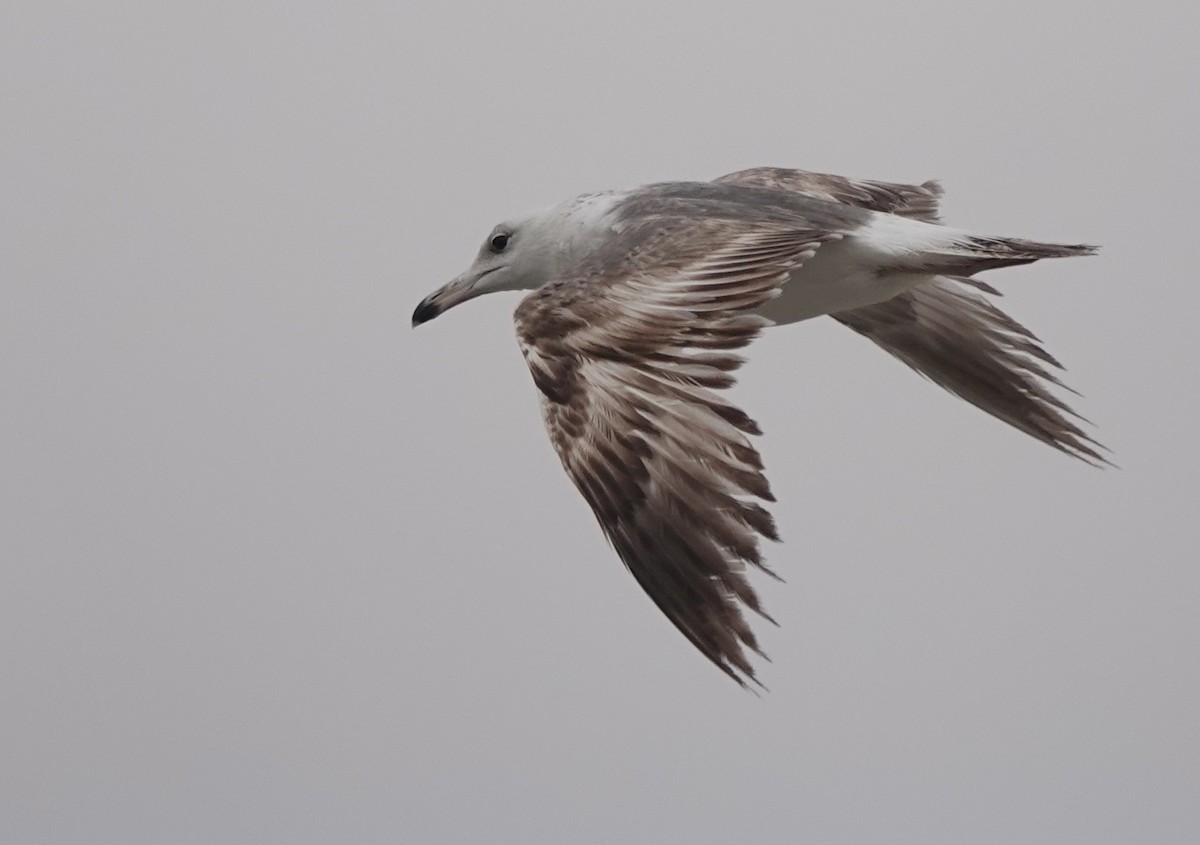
<point x="641" y="297"/>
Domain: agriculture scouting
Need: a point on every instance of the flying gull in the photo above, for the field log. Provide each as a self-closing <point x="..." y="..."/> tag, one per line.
<point x="641" y="299"/>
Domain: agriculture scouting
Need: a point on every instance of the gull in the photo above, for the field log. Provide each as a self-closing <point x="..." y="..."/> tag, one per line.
<point x="640" y="300"/>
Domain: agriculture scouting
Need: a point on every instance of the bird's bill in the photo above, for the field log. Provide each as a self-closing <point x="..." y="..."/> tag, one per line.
<point x="446" y="297"/>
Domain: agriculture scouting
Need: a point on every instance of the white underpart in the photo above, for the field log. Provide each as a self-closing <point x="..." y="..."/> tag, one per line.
<point x="860" y="269"/>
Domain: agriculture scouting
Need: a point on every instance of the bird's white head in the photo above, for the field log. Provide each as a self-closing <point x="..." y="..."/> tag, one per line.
<point x="525" y="253"/>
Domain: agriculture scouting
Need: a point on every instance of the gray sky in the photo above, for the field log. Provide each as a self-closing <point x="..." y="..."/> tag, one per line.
<point x="277" y="568"/>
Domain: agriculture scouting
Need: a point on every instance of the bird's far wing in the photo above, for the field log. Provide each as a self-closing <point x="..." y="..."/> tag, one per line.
<point x="959" y="340"/>
<point x="920" y="202"/>
<point x="628" y="360"/>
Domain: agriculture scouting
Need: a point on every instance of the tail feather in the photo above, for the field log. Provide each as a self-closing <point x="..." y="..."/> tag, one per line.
<point x="976" y="254"/>
<point x="913" y="245"/>
<point x="1017" y="248"/>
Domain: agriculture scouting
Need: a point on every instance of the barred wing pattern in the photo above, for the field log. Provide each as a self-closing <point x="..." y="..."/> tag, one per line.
<point x="629" y="364"/>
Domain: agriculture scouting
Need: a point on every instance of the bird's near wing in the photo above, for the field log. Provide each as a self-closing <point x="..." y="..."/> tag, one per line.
<point x="947" y="333"/>
<point x="628" y="359"/>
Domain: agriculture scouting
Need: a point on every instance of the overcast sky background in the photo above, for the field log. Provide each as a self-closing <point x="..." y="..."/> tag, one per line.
<point x="276" y="568"/>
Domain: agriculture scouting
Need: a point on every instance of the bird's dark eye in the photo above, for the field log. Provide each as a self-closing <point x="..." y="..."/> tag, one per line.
<point x="498" y="243"/>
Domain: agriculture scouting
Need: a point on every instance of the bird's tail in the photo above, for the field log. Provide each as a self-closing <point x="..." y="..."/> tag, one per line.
<point x="913" y="245"/>
<point x="1005" y="252"/>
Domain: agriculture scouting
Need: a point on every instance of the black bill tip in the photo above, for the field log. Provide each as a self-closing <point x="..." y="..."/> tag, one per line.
<point x="425" y="312"/>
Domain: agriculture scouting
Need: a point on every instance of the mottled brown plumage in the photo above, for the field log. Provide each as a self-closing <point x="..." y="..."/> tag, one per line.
<point x="920" y="202"/>
<point x="628" y="367"/>
<point x="640" y="301"/>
